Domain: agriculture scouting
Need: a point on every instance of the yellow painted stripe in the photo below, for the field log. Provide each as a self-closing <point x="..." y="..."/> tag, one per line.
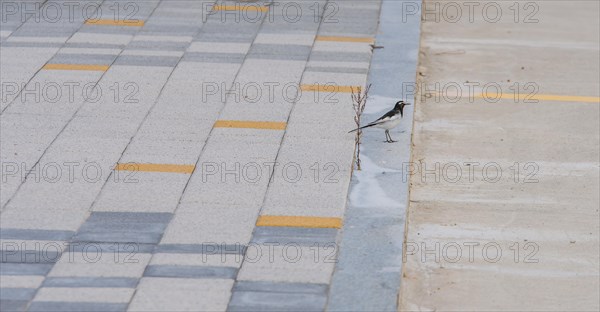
<point x="541" y="97"/>
<point x="270" y="125"/>
<point x="155" y="168"/>
<point x="345" y="39"/>
<point x="307" y="222"/>
<point x="328" y="88"/>
<point x="112" y="22"/>
<point x="75" y="67"/>
<point x="240" y="8"/>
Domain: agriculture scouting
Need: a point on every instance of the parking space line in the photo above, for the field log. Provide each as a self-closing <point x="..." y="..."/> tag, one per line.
<point x="112" y="22"/>
<point x="328" y="88"/>
<point x="540" y="97"/>
<point x="155" y="167"/>
<point x="296" y="221"/>
<point x="76" y="67"/>
<point x="345" y="39"/>
<point x="269" y="125"/>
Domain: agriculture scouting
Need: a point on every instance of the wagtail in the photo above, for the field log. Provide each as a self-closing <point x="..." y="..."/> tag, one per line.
<point x="388" y="121"/>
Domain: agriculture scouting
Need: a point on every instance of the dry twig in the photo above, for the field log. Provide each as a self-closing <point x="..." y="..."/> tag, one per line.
<point x="359" y="101"/>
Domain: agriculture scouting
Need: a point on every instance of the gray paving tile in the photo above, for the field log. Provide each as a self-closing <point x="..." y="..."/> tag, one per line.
<point x="25" y="268"/>
<point x="158" y="45"/>
<point x="267" y="296"/>
<point x="297" y="236"/>
<point x="13" y="305"/>
<point x="90" y="282"/>
<point x="147" y="60"/>
<point x="122" y="247"/>
<point x="101" y="59"/>
<point x="130" y="217"/>
<point x="123" y="227"/>
<point x="6" y="44"/>
<point x="340" y="56"/>
<point x="190" y="271"/>
<point x="214" y="57"/>
<point x="93" y="45"/>
<point x="27" y="234"/>
<point x="77" y="306"/>
<point x="280" y="287"/>
<point x="279" y="52"/>
<point x="201" y="248"/>
<point x="17" y="294"/>
<point x="42" y="255"/>
<point x="345" y="70"/>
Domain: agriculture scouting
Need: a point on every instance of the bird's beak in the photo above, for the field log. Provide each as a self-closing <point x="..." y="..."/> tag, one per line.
<point x="406" y="103"/>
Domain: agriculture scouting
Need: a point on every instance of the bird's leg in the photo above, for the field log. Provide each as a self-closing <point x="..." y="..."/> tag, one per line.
<point x="390" y="136"/>
<point x="387" y="136"/>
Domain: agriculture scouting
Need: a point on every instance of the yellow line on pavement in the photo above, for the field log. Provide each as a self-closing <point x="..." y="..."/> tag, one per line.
<point x="240" y="8"/>
<point x="540" y="97"/>
<point x="270" y="125"/>
<point x="328" y="88"/>
<point x="345" y="39"/>
<point x="112" y="22"/>
<point x="292" y="221"/>
<point x="155" y="168"/>
<point x="75" y="67"/>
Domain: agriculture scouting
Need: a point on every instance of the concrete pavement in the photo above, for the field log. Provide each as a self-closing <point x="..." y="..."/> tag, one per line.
<point x="503" y="211"/>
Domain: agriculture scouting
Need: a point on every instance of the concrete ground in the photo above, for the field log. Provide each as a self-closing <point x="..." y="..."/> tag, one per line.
<point x="519" y="230"/>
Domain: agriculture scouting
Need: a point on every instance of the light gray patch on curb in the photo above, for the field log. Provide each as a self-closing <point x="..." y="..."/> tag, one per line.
<point x="26" y="234"/>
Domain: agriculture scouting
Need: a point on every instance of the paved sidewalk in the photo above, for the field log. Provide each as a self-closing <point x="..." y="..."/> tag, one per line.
<point x="519" y="230"/>
<point x="138" y="153"/>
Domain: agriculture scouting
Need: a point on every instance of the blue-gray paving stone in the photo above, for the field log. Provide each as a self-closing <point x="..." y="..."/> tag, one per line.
<point x="25" y="268"/>
<point x="26" y="234"/>
<point x="77" y="306"/>
<point x="208" y="37"/>
<point x="41" y="255"/>
<point x="6" y="44"/>
<point x="17" y="293"/>
<point x="165" y="29"/>
<point x="123" y="227"/>
<point x="236" y="58"/>
<point x="261" y="286"/>
<point x="344" y="70"/>
<point x="201" y="249"/>
<point x="158" y="45"/>
<point x="96" y="59"/>
<point x="110" y="29"/>
<point x="13" y="305"/>
<point x="190" y="271"/>
<point x="90" y="45"/>
<point x="136" y="60"/>
<point x="122" y="237"/>
<point x="292" y="235"/>
<point x="340" y="56"/>
<point x="125" y="248"/>
<point x="118" y="282"/>
<point x="280" y="51"/>
<point x="130" y="217"/>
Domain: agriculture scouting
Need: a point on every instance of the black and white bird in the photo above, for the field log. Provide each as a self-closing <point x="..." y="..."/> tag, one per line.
<point x="388" y="121"/>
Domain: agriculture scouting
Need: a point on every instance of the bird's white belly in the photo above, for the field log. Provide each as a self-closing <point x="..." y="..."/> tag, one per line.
<point x="389" y="124"/>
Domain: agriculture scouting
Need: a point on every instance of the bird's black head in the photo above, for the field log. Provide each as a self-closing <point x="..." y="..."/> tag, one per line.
<point x="400" y="106"/>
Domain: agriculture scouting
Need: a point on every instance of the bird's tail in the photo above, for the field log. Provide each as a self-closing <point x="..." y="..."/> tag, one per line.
<point x="369" y="125"/>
